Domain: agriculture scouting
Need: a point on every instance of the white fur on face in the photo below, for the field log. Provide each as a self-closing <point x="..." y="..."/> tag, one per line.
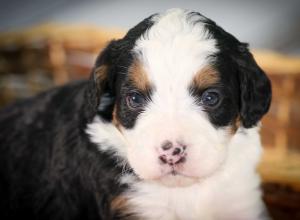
<point x="222" y="196"/>
<point x="172" y="52"/>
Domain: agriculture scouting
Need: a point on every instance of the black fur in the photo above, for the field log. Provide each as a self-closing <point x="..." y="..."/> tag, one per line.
<point x="49" y="169"/>
<point x="241" y="74"/>
<point x="118" y="57"/>
<point x="245" y="87"/>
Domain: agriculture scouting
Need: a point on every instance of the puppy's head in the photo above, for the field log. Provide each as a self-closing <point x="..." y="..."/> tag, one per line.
<point x="176" y="88"/>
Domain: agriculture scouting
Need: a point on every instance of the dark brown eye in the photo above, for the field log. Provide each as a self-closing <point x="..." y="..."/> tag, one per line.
<point x="135" y="100"/>
<point x="210" y="98"/>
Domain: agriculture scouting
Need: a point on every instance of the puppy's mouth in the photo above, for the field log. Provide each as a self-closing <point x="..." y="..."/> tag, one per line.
<point x="176" y="179"/>
<point x="174" y="172"/>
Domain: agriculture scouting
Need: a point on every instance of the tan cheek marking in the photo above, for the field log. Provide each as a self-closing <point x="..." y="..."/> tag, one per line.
<point x="206" y="77"/>
<point x="235" y="126"/>
<point x="138" y="76"/>
<point x="115" y="120"/>
<point x="120" y="204"/>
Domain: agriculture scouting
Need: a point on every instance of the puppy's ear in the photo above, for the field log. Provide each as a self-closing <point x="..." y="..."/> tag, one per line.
<point x="255" y="88"/>
<point x="101" y="91"/>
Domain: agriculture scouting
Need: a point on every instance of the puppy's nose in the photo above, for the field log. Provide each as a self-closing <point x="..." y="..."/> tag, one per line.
<point x="172" y="153"/>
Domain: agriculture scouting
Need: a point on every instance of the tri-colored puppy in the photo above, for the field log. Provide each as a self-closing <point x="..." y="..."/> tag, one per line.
<point x="166" y="128"/>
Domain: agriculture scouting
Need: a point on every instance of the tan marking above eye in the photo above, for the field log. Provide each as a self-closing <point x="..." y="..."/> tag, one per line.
<point x="138" y="76"/>
<point x="206" y="77"/>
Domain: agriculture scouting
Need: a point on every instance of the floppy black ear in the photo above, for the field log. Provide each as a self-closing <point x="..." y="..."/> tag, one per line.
<point x="255" y="88"/>
<point x="101" y="92"/>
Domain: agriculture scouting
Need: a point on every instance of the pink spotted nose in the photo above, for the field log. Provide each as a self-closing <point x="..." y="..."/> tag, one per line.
<point x="172" y="153"/>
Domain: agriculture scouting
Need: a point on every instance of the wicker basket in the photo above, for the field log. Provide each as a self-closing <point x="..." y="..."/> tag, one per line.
<point x="281" y="127"/>
<point x="41" y="57"/>
<point x="280" y="167"/>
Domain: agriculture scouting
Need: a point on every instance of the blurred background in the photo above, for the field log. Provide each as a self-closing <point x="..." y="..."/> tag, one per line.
<point x="48" y="43"/>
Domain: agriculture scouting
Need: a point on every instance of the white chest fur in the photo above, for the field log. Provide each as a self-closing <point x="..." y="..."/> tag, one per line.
<point x="207" y="201"/>
<point x="232" y="193"/>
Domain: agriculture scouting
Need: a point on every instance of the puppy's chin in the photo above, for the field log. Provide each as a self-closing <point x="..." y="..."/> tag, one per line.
<point x="176" y="180"/>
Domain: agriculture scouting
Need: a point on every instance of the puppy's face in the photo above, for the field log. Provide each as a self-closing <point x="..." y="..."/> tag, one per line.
<point x="179" y="88"/>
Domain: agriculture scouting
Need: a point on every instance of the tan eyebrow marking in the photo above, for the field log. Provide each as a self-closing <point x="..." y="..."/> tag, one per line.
<point x="206" y="77"/>
<point x="138" y="76"/>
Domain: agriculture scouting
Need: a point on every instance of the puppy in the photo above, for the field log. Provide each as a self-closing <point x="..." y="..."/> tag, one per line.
<point x="166" y="128"/>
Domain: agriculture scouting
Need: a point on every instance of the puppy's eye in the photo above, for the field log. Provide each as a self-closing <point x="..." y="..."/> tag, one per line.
<point x="210" y="98"/>
<point x="135" y="100"/>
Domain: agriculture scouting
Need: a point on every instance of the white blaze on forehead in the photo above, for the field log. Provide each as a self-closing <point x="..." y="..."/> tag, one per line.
<point x="175" y="48"/>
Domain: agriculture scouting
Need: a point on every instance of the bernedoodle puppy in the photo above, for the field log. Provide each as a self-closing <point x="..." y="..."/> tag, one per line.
<point x="167" y="127"/>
